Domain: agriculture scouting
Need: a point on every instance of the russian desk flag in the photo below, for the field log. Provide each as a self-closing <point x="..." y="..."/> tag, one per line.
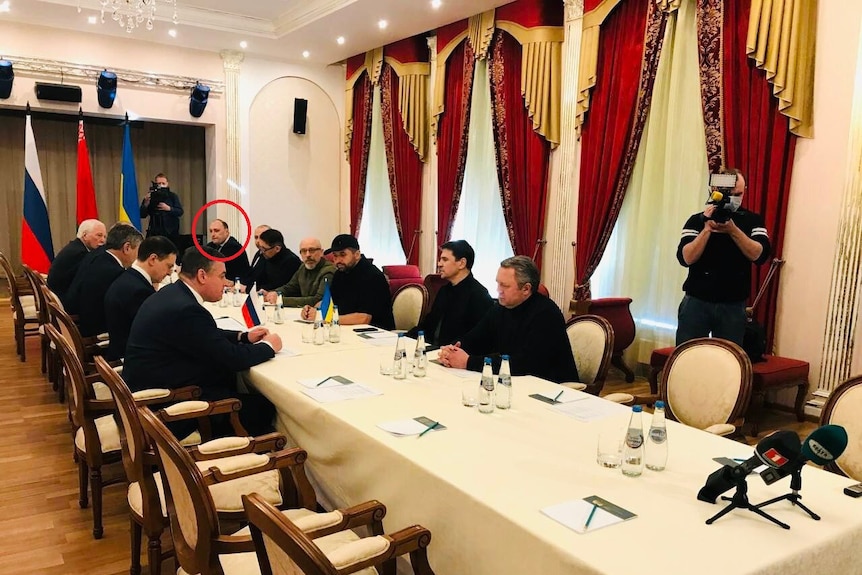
<point x="249" y="311"/>
<point x="129" y="204"/>
<point x="326" y="304"/>
<point x="37" y="249"/>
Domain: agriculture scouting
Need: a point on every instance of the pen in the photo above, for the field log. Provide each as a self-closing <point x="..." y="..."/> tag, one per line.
<point x="430" y="427"/>
<point x="558" y="396"/>
<point x="324" y="381"/>
<point x="590" y="517"/>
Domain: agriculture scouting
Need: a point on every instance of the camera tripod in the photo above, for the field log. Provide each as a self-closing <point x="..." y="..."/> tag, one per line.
<point x="793" y="497"/>
<point x="740" y="501"/>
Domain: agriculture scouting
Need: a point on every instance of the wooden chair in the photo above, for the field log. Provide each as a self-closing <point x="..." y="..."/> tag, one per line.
<point x="409" y="305"/>
<point x="198" y="544"/>
<point x="282" y="547"/>
<point x="592" y="340"/>
<point x="147" y="508"/>
<point x="400" y="276"/>
<point x="433" y="283"/>
<point x="843" y="408"/>
<point x="36" y="282"/>
<point x="616" y="311"/>
<point x="25" y="315"/>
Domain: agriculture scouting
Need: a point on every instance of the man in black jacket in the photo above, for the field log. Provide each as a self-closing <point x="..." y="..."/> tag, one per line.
<point x="156" y="258"/>
<point x="278" y="264"/>
<point x="525" y="325"/>
<point x="97" y="272"/>
<point x="227" y="245"/>
<point x="175" y="342"/>
<point x="459" y="305"/>
<point x="91" y="236"/>
<point x="164" y="209"/>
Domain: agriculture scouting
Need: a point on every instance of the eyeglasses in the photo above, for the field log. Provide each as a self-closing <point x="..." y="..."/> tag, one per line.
<point x="267" y="249"/>
<point x="309" y="250"/>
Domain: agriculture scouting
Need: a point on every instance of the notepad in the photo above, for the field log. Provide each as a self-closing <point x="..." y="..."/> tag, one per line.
<point x="340" y="393"/>
<point x="324" y="381"/>
<point x="462" y="373"/>
<point x="574" y="514"/>
<point x="554" y="397"/>
<point x="590" y="408"/>
<point x="229" y="323"/>
<point x="407" y="427"/>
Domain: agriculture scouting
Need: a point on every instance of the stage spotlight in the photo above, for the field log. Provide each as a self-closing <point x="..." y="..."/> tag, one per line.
<point x="106" y="89"/>
<point x="7" y="75"/>
<point x="198" y="100"/>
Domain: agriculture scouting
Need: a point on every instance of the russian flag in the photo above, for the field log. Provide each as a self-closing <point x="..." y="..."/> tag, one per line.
<point x="129" y="206"/>
<point x="326" y="304"/>
<point x="37" y="248"/>
<point x="249" y="311"/>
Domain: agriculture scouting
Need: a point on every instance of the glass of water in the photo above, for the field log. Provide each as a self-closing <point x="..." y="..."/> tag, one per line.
<point x="609" y="449"/>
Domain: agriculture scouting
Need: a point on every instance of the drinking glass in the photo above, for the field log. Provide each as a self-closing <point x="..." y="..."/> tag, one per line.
<point x="387" y="363"/>
<point x="308" y="333"/>
<point x="609" y="449"/>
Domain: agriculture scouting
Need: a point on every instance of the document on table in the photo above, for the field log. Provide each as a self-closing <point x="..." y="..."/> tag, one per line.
<point x="554" y="397"/>
<point x="323" y="381"/>
<point x="287" y="352"/>
<point x="462" y="373"/>
<point x="229" y="323"/>
<point x="590" y="409"/>
<point x="340" y="393"/>
<point x="405" y="427"/>
<point x="575" y="514"/>
<point x="378" y="335"/>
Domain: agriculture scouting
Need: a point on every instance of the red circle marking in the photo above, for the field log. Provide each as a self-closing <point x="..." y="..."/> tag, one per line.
<point x="195" y="227"/>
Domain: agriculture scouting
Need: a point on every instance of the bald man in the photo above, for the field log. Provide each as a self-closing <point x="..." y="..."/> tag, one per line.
<point x="227" y="245"/>
<point x="91" y="236"/>
<point x="307" y="284"/>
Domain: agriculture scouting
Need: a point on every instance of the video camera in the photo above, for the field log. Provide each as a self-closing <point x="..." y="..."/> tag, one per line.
<point x="158" y="195"/>
<point x="722" y="186"/>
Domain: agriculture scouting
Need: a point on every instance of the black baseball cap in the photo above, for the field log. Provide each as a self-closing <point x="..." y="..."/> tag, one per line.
<point x="342" y="242"/>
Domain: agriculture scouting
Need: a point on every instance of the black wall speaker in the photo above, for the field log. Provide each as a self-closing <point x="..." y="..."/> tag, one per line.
<point x="300" y="112"/>
<point x="58" y="92"/>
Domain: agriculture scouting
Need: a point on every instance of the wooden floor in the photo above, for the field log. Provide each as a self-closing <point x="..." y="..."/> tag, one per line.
<point x="43" y="529"/>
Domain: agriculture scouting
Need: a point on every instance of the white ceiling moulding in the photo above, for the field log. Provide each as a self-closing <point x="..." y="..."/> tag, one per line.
<point x="55" y="69"/>
<point x="305" y="13"/>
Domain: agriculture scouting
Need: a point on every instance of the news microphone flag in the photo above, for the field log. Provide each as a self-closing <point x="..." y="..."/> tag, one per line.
<point x="249" y="311"/>
<point x="326" y="304"/>
<point x="37" y="248"/>
<point x="86" y="191"/>
<point x="129" y="207"/>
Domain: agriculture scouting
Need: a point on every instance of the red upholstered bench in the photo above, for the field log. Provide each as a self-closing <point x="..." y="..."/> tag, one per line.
<point x="774" y="373"/>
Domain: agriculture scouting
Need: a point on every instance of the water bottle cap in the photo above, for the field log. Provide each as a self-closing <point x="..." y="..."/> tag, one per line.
<point x="421" y="332"/>
<point x="400" y="335"/>
<point x="659" y="405"/>
<point x="504" y="357"/>
<point x="487" y="361"/>
<point x="637" y="408"/>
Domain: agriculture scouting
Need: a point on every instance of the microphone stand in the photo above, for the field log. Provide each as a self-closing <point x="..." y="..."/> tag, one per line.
<point x="740" y="501"/>
<point x="793" y="497"/>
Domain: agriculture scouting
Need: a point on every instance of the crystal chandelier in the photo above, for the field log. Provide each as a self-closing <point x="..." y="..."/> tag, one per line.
<point x="130" y="14"/>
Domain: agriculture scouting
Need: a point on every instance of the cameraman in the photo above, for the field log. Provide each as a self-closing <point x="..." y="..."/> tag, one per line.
<point x="164" y="209"/>
<point x="718" y="247"/>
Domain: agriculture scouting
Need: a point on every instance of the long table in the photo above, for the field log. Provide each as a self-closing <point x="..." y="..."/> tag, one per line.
<point x="480" y="484"/>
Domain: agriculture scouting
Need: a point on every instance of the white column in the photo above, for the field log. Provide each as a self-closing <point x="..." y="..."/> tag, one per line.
<point x="233" y="174"/>
<point x="558" y="268"/>
<point x="428" y="239"/>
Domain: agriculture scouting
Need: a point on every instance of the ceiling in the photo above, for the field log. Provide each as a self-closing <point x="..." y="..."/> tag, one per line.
<point x="276" y="29"/>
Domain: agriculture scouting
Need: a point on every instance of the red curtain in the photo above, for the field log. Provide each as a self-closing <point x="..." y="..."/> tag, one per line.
<point x="404" y="166"/>
<point x="757" y="140"/>
<point x="629" y="49"/>
<point x="360" y="143"/>
<point x="452" y="130"/>
<point x="522" y="154"/>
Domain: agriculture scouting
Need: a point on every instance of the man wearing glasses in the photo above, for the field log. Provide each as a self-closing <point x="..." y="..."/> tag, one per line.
<point x="307" y="284"/>
<point x="279" y="263"/>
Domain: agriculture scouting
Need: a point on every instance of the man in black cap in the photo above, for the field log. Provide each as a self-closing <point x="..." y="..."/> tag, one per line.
<point x="359" y="289"/>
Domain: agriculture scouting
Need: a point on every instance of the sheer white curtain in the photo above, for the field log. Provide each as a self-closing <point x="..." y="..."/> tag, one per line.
<point x="479" y="219"/>
<point x="669" y="183"/>
<point x="378" y="234"/>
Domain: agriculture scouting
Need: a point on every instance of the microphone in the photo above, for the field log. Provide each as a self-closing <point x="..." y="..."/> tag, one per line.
<point x="824" y="445"/>
<point x="777" y="450"/>
<point x="716" y="196"/>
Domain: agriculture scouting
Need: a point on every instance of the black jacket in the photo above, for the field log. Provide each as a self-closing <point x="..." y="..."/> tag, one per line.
<point x="237" y="267"/>
<point x="532" y="334"/>
<point x="63" y="268"/>
<point x="364" y="289"/>
<point x="122" y="302"/>
<point x="456" y="310"/>
<point x="272" y="273"/>
<point x="86" y="297"/>
<point x="174" y="342"/>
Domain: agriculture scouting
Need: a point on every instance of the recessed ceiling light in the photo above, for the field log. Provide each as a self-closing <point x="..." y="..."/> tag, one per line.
<point x="243" y="44"/>
<point x="382" y="24"/>
<point x="91" y="19"/>
<point x="340" y="39"/>
<point x="4" y="6"/>
<point x="306" y="54"/>
<point x="436" y="3"/>
<point x="172" y="33"/>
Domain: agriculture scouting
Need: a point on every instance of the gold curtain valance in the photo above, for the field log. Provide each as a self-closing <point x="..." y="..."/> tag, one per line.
<point x="413" y="101"/>
<point x="781" y="40"/>
<point x="373" y="64"/>
<point x="480" y="32"/>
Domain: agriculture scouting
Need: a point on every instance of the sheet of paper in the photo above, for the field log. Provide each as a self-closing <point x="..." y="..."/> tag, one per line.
<point x="462" y="373"/>
<point x="323" y="381"/>
<point x="287" y="352"/>
<point x="574" y="514"/>
<point x="229" y="323"/>
<point x="569" y="395"/>
<point x="409" y="426"/>
<point x="379" y="335"/>
<point x="590" y="409"/>
<point x="325" y="394"/>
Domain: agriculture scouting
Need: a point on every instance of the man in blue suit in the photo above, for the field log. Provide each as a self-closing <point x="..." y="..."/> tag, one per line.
<point x="156" y="258"/>
<point x="174" y="342"/>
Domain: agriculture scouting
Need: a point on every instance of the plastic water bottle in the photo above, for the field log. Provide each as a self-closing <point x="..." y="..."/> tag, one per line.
<point x="399" y="367"/>
<point x="486" y="388"/>
<point x="225" y="297"/>
<point x="318" y="328"/>
<point x="633" y="449"/>
<point x="335" y="327"/>
<point x="504" y="385"/>
<point x="656" y="449"/>
<point x="420" y="360"/>
<point x="237" y="296"/>
<point x="279" y="315"/>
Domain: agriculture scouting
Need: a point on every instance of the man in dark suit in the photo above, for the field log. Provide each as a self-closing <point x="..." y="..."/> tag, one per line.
<point x="164" y="209"/>
<point x="279" y="263"/>
<point x="97" y="272"/>
<point x="257" y="261"/>
<point x="175" y="342"/>
<point x="156" y="258"/>
<point x="226" y="245"/>
<point x="91" y="235"/>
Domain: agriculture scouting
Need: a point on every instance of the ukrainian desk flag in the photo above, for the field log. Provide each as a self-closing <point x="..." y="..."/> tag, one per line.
<point x="326" y="304"/>
<point x="129" y="208"/>
<point x="37" y="249"/>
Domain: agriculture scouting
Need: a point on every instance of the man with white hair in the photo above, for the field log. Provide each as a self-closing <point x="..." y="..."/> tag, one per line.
<point x="91" y="235"/>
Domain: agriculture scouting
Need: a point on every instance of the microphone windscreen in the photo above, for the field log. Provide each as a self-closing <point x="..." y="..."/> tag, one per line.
<point x="825" y="444"/>
<point x="717" y="196"/>
<point x="778" y="449"/>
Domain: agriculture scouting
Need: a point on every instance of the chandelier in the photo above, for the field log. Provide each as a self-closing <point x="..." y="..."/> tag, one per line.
<point x="130" y="14"/>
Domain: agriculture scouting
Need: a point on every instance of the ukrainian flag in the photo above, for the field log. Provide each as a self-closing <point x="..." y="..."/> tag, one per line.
<point x="326" y="304"/>
<point x="129" y="208"/>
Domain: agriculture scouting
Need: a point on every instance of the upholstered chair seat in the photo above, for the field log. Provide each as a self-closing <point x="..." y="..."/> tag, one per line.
<point x="409" y="305"/>
<point x="843" y="408"/>
<point x="592" y="340"/>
